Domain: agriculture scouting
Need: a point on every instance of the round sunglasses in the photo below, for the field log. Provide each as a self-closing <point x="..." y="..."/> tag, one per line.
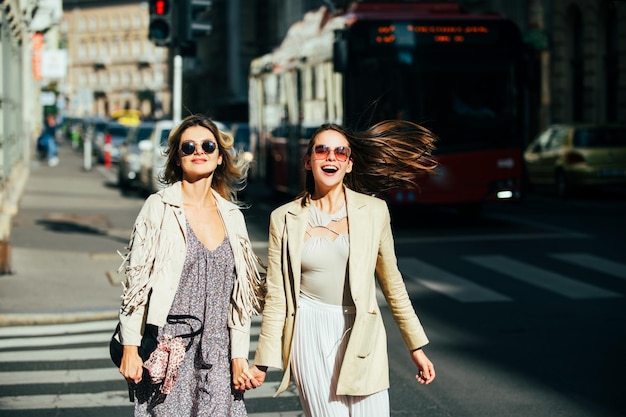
<point x="342" y="153"/>
<point x="189" y="147"/>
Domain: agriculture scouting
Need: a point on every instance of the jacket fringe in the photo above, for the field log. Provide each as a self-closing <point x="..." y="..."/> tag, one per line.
<point x="249" y="293"/>
<point x="139" y="273"/>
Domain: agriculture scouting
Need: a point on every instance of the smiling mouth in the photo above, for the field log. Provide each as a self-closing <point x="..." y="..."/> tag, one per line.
<point x="330" y="169"/>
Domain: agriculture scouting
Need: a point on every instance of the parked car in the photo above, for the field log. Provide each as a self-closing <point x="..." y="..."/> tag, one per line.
<point x="568" y="157"/>
<point x="128" y="167"/>
<point x="152" y="156"/>
<point x="115" y="133"/>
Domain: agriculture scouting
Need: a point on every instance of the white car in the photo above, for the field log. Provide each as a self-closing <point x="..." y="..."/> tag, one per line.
<point x="152" y="156"/>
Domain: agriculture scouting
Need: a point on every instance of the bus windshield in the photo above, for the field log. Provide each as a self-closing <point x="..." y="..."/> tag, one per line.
<point x="468" y="96"/>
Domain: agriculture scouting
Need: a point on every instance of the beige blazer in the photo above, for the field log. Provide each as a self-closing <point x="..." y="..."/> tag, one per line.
<point x="365" y="368"/>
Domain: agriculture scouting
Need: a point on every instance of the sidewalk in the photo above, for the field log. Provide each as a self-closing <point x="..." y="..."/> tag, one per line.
<point x="63" y="245"/>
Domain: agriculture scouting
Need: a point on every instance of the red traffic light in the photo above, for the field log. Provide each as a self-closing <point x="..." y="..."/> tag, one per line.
<point x="161" y="7"/>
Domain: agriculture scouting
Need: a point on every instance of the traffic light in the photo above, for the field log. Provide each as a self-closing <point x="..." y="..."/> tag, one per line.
<point x="193" y="19"/>
<point x="160" y="29"/>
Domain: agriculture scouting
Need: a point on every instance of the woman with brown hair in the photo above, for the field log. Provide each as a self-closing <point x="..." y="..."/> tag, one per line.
<point x="190" y="282"/>
<point x="321" y="322"/>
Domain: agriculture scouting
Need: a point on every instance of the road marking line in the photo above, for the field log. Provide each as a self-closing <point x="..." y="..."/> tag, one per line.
<point x="541" y="278"/>
<point x="593" y="262"/>
<point x="54" y="355"/>
<point x="66" y="376"/>
<point x="448" y="284"/>
<point x="57" y="340"/>
<point x="102" y="399"/>
<point x="489" y="237"/>
<point x="56" y="329"/>
<point x="539" y="225"/>
<point x="88" y="400"/>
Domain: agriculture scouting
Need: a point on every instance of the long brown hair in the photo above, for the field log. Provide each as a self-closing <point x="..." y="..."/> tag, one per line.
<point x="390" y="154"/>
<point x="229" y="177"/>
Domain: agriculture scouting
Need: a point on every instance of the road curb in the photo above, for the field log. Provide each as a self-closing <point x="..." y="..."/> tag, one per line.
<point x="29" y="319"/>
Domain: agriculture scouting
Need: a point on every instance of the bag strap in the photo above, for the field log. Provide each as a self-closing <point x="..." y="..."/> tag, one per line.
<point x="181" y="319"/>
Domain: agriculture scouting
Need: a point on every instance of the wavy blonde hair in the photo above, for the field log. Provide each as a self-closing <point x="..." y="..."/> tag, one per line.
<point x="390" y="154"/>
<point x="229" y="177"/>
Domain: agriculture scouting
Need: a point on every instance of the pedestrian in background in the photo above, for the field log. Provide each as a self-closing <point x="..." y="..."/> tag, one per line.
<point x="190" y="257"/>
<point x="321" y="321"/>
<point x="47" y="148"/>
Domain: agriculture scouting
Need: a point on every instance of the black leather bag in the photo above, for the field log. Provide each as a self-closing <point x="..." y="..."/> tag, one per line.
<point x="149" y="340"/>
<point x="148" y="344"/>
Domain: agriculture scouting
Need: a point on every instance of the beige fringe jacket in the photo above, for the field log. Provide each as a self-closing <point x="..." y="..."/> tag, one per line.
<point x="154" y="263"/>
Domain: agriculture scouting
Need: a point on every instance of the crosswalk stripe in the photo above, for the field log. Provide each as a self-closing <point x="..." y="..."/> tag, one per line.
<point x="88" y="400"/>
<point x="52" y="329"/>
<point x="541" y="278"/>
<point x="446" y="283"/>
<point x="54" y="355"/>
<point x="65" y="376"/>
<point x="56" y="340"/>
<point x="78" y="354"/>
<point x="92" y="400"/>
<point x="593" y="262"/>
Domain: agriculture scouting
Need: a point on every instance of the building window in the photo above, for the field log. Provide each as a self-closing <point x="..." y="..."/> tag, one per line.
<point x="136" y="45"/>
<point x="82" y="50"/>
<point x="93" y="49"/>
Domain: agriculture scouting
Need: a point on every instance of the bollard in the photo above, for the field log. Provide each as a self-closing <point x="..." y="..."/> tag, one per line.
<point x="107" y="150"/>
<point x="5" y="257"/>
<point x="87" y="155"/>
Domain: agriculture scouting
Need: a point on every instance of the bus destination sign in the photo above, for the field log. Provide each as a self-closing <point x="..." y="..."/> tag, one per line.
<point x="411" y="34"/>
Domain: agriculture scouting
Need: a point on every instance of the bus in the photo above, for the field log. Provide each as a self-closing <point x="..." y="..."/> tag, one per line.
<point x="461" y="75"/>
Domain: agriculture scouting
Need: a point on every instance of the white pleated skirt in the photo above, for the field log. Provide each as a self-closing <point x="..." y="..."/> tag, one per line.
<point x="320" y="339"/>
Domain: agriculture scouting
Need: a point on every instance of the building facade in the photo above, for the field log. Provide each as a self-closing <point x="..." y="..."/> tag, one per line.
<point x="584" y="64"/>
<point x="111" y="63"/>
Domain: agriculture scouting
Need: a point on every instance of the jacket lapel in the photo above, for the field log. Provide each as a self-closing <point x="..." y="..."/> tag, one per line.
<point x="295" y="225"/>
<point x="359" y="230"/>
<point x="173" y="196"/>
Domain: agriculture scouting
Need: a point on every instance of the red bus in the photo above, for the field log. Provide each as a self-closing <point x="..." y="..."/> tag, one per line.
<point x="459" y="74"/>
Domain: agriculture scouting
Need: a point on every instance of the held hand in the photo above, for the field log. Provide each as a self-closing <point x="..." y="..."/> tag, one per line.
<point x="258" y="373"/>
<point x="131" y="367"/>
<point x="425" y="368"/>
<point x="243" y="378"/>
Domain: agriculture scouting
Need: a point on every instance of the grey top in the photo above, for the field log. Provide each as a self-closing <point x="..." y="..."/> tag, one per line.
<point x="325" y="258"/>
